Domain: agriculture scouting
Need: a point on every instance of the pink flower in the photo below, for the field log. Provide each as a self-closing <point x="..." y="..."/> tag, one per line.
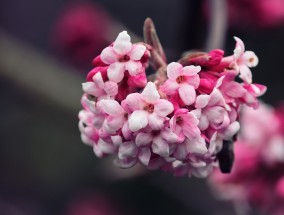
<point x="161" y="141"/>
<point x="99" y="88"/>
<point x="182" y="79"/>
<point x="213" y="110"/>
<point x="184" y="124"/>
<point x="123" y="56"/>
<point x="148" y="109"/>
<point x="117" y="117"/>
<point x="244" y="60"/>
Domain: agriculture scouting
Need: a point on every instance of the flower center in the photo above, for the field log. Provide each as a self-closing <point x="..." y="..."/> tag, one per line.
<point x="180" y="79"/>
<point x="125" y="115"/>
<point x="124" y="58"/>
<point x="251" y="60"/>
<point x="149" y="108"/>
<point x="179" y="120"/>
<point x="91" y="98"/>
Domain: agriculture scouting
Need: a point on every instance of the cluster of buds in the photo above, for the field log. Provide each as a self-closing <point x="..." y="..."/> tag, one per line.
<point x="182" y="121"/>
<point x="257" y="178"/>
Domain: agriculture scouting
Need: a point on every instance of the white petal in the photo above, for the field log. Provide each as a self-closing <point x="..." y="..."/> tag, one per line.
<point x="134" y="101"/>
<point x="240" y="47"/>
<point x="92" y="89"/>
<point x="201" y="101"/>
<point x="125" y="163"/>
<point x="251" y="58"/>
<point x="245" y="74"/>
<point x="231" y="130"/>
<point x="98" y="80"/>
<point x="203" y="122"/>
<point x="137" y="51"/>
<point x="117" y="140"/>
<point x="134" y="68"/>
<point x="197" y="145"/>
<point x="150" y="93"/>
<point x="122" y="44"/>
<point x="160" y="147"/>
<point x="111" y="107"/>
<point x="190" y="70"/>
<point x="111" y="88"/>
<point x="187" y="94"/>
<point x="215" y="114"/>
<point x="115" y="72"/>
<point x="155" y="122"/>
<point x="143" y="139"/>
<point x="174" y="70"/>
<point x="115" y="122"/>
<point x="127" y="149"/>
<point x="163" y="107"/>
<point x="108" y="55"/>
<point x="144" y="155"/>
<point x="137" y="120"/>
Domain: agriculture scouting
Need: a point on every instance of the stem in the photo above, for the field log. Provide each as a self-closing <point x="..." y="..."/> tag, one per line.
<point x="217" y="25"/>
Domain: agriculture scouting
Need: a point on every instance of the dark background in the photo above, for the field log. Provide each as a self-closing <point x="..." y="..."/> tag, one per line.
<point x="43" y="163"/>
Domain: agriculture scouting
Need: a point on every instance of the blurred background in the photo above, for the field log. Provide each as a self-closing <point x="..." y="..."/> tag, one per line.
<point x="46" y="50"/>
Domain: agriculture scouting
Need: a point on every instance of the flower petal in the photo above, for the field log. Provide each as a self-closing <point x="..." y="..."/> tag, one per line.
<point x="111" y="88"/>
<point x="251" y="58"/>
<point x="190" y="70"/>
<point x="155" y="122"/>
<point x="134" y="101"/>
<point x="98" y="80"/>
<point x="215" y="114"/>
<point x="190" y="128"/>
<point x="125" y="163"/>
<point x="196" y="145"/>
<point x="134" y="68"/>
<point x="245" y="74"/>
<point x="111" y="107"/>
<point x="144" y="155"/>
<point x="115" y="72"/>
<point x="169" y="87"/>
<point x="122" y="44"/>
<point x="127" y="149"/>
<point x="137" y="120"/>
<point x="240" y="47"/>
<point x="201" y="101"/>
<point x="143" y="139"/>
<point x="234" y="89"/>
<point x="203" y="122"/>
<point x="160" y="147"/>
<point x="187" y="94"/>
<point x="174" y="70"/>
<point x="163" y="107"/>
<point x="137" y="51"/>
<point x="115" y="122"/>
<point x="150" y="93"/>
<point x="108" y="55"/>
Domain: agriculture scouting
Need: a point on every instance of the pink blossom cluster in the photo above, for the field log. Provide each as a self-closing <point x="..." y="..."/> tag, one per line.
<point x="177" y="123"/>
<point x="257" y="177"/>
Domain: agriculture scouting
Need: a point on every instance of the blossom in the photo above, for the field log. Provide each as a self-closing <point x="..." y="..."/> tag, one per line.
<point x="147" y="108"/>
<point x="244" y="60"/>
<point x="182" y="79"/>
<point x="99" y="88"/>
<point x="122" y="56"/>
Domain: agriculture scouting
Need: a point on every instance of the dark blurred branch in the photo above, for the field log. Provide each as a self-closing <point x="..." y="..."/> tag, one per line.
<point x="217" y="26"/>
<point x="39" y="74"/>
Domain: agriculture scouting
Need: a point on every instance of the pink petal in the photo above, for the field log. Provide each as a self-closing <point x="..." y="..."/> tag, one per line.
<point x="126" y="131"/>
<point x="187" y="94"/>
<point x="108" y="55"/>
<point x="190" y="128"/>
<point x="137" y="51"/>
<point x="203" y="123"/>
<point x="138" y="119"/>
<point x="155" y="122"/>
<point x="111" y="88"/>
<point x="234" y="90"/>
<point x="181" y="152"/>
<point x="125" y="163"/>
<point x="245" y="74"/>
<point x="215" y="98"/>
<point x="201" y="101"/>
<point x="127" y="149"/>
<point x="143" y="139"/>
<point x="163" y="107"/>
<point x="251" y="59"/>
<point x="122" y="44"/>
<point x="144" y="155"/>
<point x="134" y="68"/>
<point x="193" y="80"/>
<point x="160" y="147"/>
<point x="92" y="89"/>
<point x="190" y="70"/>
<point x="111" y="107"/>
<point x="170" y="136"/>
<point x="196" y="145"/>
<point x="115" y="122"/>
<point x="231" y="130"/>
<point x="215" y="114"/>
<point x="116" y="140"/>
<point x="174" y="70"/>
<point x="134" y="101"/>
<point x="150" y="93"/>
<point x="115" y="72"/>
<point x="107" y="148"/>
<point x="169" y="87"/>
<point x="240" y="47"/>
<point x="97" y="78"/>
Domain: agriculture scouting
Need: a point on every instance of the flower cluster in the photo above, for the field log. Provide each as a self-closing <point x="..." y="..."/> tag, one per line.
<point x="177" y="123"/>
<point x="257" y="177"/>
